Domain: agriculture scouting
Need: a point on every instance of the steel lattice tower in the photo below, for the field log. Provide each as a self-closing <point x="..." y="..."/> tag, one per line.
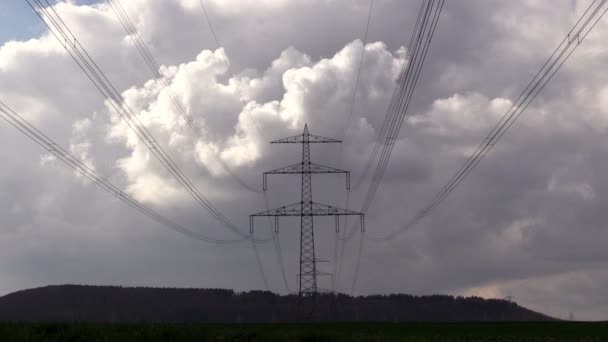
<point x="306" y="208"/>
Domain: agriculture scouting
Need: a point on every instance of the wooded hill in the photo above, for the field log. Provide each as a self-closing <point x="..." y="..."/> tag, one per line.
<point x="123" y="304"/>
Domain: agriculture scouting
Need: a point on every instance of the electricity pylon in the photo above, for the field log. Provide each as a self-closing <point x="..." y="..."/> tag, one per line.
<point x="306" y="208"/>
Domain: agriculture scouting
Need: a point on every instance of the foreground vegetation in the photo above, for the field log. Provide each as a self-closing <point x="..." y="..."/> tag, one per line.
<point x="528" y="331"/>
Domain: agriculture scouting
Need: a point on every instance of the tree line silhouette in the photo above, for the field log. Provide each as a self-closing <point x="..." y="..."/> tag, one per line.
<point x="140" y="304"/>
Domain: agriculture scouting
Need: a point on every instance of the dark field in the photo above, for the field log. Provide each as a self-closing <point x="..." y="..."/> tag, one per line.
<point x="549" y="331"/>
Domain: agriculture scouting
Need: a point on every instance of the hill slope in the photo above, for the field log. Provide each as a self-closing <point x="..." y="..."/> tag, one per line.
<point x="121" y="304"/>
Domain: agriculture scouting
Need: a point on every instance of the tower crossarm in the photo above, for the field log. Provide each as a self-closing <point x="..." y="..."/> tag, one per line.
<point x="318" y="209"/>
<point x="286" y="210"/>
<point x="299" y="139"/>
<point x="299" y="168"/>
<point x="296" y="209"/>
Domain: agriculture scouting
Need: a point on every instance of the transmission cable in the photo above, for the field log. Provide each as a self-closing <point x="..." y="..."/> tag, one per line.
<point x="581" y="29"/>
<point x="408" y="64"/>
<point x="226" y="61"/>
<point x="63" y="34"/>
<point x="277" y="246"/>
<point x="342" y="135"/>
<point x="276" y="241"/>
<point x="30" y="131"/>
<point x="154" y="67"/>
<point x="560" y="55"/>
<point x="27" y="129"/>
<point x="390" y="112"/>
<point x="411" y="75"/>
<point x="424" y="29"/>
<point x="144" y="51"/>
<point x="353" y="95"/>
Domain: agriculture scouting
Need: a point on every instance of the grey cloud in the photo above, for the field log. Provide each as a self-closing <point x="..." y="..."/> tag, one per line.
<point x="529" y="221"/>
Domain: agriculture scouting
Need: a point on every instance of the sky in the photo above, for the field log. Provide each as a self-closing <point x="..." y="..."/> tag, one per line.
<point x="529" y="221"/>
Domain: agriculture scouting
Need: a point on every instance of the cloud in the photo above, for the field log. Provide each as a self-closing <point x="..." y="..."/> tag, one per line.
<point x="236" y="119"/>
<point x="528" y="222"/>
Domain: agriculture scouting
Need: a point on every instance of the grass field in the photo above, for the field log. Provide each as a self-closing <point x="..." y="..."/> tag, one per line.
<point x="552" y="331"/>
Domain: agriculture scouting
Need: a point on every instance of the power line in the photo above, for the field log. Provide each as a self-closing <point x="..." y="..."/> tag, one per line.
<point x="342" y="241"/>
<point x="405" y="92"/>
<point x="276" y="241"/>
<point x="353" y="96"/>
<point x="281" y="261"/>
<point x="357" y="264"/>
<point x="390" y="112"/>
<point x="581" y="29"/>
<point x="424" y="31"/>
<point x="260" y="266"/>
<point x="556" y="60"/>
<point x="335" y="261"/>
<point x="219" y="45"/>
<point x="63" y="34"/>
<point x="277" y="245"/>
<point x="144" y="51"/>
<point x="217" y="41"/>
<point x="27" y="129"/>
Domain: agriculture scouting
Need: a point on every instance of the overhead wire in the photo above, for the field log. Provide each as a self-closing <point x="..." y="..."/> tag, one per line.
<point x="40" y="138"/>
<point x="548" y="70"/>
<point x="335" y="262"/>
<point x="535" y="86"/>
<point x="277" y="246"/>
<point x="258" y="260"/>
<point x="58" y="28"/>
<point x="215" y="38"/>
<point x="424" y="29"/>
<point x="411" y="75"/>
<point x="64" y="36"/>
<point x="226" y="61"/>
<point x="353" y="97"/>
<point x="390" y="112"/>
<point x="146" y="54"/>
<point x="276" y="240"/>
<point x="176" y="100"/>
<point x="382" y="138"/>
<point x="281" y="261"/>
<point x="579" y="32"/>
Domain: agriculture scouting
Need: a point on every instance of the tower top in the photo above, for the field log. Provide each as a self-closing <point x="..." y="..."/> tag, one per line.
<point x="305" y="137"/>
